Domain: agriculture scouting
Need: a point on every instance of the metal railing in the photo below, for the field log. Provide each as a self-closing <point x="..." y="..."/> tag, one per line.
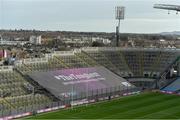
<point x="94" y="95"/>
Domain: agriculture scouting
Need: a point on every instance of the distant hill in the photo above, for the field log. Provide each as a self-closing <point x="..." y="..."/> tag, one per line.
<point x="171" y="33"/>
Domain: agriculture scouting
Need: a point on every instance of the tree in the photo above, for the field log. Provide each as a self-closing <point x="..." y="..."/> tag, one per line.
<point x="97" y="44"/>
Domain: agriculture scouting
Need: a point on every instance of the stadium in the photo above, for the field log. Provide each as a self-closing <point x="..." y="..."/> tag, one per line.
<point x="65" y="79"/>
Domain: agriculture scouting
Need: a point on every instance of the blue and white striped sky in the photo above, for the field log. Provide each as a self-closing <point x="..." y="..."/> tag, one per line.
<point x="87" y="15"/>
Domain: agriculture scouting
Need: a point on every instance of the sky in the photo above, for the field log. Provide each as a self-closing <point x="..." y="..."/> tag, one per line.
<point x="88" y="15"/>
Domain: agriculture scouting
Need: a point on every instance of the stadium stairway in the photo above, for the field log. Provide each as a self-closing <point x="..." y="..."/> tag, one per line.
<point x="173" y="87"/>
<point x="101" y="59"/>
<point x="62" y="62"/>
<point x="26" y="77"/>
<point x="134" y="62"/>
<point x="156" y="63"/>
<point x="8" y="103"/>
<point x="37" y="87"/>
<point x="124" y="62"/>
<point x="161" y="82"/>
<point x="72" y="61"/>
<point x="86" y="59"/>
<point x="117" y="60"/>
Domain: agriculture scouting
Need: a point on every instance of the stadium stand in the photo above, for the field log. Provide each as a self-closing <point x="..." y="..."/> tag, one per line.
<point x="173" y="87"/>
<point x="87" y="59"/>
<point x="142" y="67"/>
<point x="11" y="84"/>
<point x="138" y="63"/>
<point x="118" y="60"/>
<point x="73" y="61"/>
<point x="51" y="64"/>
<point x="134" y="62"/>
<point x="149" y="63"/>
<point x="14" y="94"/>
<point x="101" y="59"/>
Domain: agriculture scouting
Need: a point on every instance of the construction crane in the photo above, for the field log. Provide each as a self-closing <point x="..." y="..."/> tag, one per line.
<point x="168" y="7"/>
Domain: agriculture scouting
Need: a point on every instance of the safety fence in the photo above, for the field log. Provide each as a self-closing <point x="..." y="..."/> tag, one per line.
<point x="68" y="101"/>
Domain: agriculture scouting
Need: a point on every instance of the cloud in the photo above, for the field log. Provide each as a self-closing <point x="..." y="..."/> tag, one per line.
<point x="87" y="15"/>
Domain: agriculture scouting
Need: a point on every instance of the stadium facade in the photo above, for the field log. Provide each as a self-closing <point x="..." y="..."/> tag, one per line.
<point x="85" y="75"/>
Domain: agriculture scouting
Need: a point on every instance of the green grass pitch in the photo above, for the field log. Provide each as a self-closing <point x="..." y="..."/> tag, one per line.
<point x="142" y="106"/>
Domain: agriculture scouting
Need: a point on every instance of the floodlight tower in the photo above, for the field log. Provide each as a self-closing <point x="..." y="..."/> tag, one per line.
<point x="168" y="7"/>
<point x="119" y="12"/>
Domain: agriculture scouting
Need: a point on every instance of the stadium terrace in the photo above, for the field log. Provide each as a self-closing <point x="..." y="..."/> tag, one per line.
<point x="66" y="78"/>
